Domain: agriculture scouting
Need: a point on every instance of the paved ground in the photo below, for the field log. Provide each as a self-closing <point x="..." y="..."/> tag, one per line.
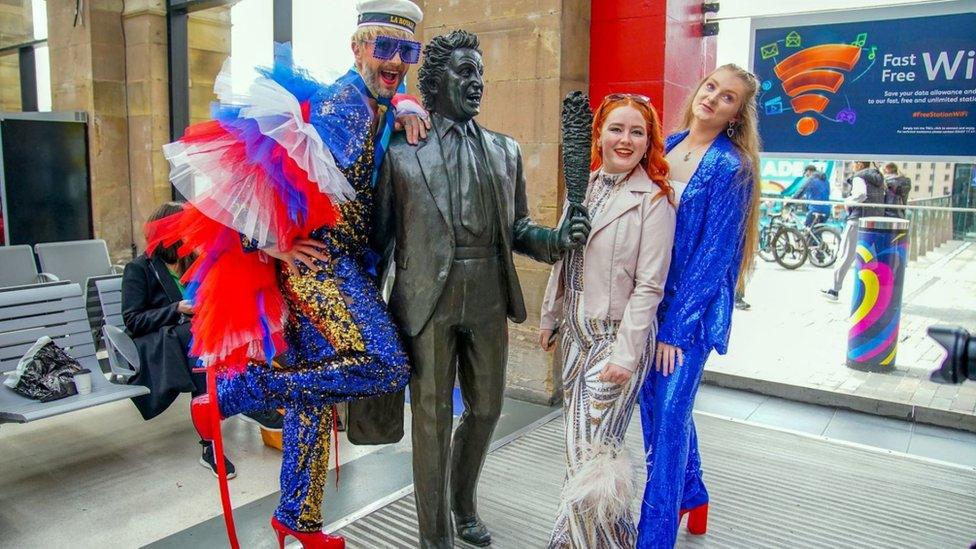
<point x="949" y="445"/>
<point x="792" y="343"/>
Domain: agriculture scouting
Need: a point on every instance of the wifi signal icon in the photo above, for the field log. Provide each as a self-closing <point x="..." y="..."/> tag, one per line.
<point x="815" y="69"/>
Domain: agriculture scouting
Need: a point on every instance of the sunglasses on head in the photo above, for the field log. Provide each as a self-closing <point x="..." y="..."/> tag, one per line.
<point x="642" y="99"/>
<point x="385" y="47"/>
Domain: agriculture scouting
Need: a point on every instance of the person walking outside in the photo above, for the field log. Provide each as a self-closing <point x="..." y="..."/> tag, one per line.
<point x="866" y="199"/>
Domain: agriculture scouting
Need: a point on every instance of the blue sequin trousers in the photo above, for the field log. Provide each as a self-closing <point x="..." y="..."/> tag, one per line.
<point x="342" y="345"/>
<point x="672" y="447"/>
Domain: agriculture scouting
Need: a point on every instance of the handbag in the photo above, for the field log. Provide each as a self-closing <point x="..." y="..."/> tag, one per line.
<point x="45" y="372"/>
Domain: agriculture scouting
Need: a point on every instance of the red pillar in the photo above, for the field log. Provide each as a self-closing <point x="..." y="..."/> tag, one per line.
<point x="651" y="47"/>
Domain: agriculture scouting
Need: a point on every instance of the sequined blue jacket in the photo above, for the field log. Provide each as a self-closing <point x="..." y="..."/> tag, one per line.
<point x="699" y="293"/>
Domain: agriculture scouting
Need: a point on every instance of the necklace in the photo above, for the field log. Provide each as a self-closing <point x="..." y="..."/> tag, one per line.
<point x="688" y="154"/>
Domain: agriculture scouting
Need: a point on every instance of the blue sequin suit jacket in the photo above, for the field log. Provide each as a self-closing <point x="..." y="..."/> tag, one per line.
<point x="698" y="296"/>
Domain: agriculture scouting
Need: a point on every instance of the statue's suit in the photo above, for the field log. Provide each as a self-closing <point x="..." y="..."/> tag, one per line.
<point x="452" y="307"/>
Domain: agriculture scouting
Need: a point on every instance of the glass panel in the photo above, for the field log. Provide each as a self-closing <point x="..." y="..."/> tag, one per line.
<point x="792" y="335"/>
<point x="42" y="64"/>
<point x="3" y="219"/>
<point x="321" y="34"/>
<point x="209" y="45"/>
<point x="16" y="22"/>
<point x="39" y="13"/>
<point x="252" y="40"/>
<point x="242" y="33"/>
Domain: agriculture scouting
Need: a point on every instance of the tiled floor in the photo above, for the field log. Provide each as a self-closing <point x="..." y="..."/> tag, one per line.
<point x="922" y="440"/>
<point x="115" y="463"/>
<point x="957" y="447"/>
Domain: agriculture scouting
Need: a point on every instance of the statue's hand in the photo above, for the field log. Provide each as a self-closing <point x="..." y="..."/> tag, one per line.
<point x="575" y="229"/>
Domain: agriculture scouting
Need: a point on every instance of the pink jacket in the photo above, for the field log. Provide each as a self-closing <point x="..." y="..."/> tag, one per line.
<point x="626" y="262"/>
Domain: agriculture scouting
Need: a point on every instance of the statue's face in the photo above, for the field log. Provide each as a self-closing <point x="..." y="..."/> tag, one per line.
<point x="461" y="85"/>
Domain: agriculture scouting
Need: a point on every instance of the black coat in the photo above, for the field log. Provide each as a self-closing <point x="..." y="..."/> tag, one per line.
<point x="161" y="334"/>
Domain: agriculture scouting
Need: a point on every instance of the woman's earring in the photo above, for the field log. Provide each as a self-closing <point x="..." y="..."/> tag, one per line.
<point x="731" y="131"/>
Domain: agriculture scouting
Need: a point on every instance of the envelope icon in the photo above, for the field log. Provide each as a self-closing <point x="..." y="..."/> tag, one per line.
<point x="769" y="50"/>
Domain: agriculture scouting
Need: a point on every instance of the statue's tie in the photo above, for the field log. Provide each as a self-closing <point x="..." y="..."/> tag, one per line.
<point x="472" y="206"/>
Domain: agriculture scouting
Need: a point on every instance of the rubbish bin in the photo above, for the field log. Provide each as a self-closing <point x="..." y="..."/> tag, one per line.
<point x="882" y="252"/>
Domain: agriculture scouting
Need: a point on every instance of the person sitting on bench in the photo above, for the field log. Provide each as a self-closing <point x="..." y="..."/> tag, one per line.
<point x="157" y="316"/>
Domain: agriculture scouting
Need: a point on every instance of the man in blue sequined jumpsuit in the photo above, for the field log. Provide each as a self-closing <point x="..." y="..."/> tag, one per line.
<point x="342" y="344"/>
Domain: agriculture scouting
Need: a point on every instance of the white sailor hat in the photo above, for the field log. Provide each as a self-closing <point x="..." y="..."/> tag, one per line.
<point x="401" y="14"/>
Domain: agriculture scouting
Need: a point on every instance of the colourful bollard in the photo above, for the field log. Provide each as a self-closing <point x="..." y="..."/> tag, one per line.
<point x="882" y="253"/>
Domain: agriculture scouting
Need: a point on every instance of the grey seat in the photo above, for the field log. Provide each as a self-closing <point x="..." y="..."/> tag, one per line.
<point x="79" y="261"/>
<point x="76" y="260"/>
<point x="57" y="311"/>
<point x="17" y="267"/>
<point x="123" y="358"/>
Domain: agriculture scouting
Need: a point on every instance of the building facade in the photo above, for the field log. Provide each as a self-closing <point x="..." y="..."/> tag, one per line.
<point x="143" y="69"/>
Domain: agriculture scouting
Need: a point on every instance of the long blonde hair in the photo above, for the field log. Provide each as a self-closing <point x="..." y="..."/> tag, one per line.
<point x="745" y="137"/>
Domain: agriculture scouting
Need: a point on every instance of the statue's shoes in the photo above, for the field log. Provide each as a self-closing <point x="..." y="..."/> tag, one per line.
<point x="472" y="531"/>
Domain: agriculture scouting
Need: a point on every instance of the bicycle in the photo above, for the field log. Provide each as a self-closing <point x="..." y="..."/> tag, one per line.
<point x="822" y="241"/>
<point x="782" y="243"/>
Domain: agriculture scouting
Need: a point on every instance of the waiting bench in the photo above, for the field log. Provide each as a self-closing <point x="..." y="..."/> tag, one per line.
<point x="58" y="311"/>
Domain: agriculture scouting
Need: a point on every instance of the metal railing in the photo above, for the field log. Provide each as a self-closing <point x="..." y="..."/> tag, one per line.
<point x="931" y="220"/>
<point x="929" y="229"/>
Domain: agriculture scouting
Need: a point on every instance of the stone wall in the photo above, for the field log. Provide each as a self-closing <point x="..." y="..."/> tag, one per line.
<point x="147" y="79"/>
<point x="88" y="74"/>
<point x="534" y="53"/>
<point x="113" y="66"/>
<point x="16" y="27"/>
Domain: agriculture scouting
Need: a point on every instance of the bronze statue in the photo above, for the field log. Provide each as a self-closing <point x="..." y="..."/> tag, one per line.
<point x="456" y="209"/>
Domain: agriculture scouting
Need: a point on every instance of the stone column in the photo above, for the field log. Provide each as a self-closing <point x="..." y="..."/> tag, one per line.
<point x="147" y="88"/>
<point x="148" y="93"/>
<point x="534" y="53"/>
<point x="16" y="27"/>
<point x="88" y="74"/>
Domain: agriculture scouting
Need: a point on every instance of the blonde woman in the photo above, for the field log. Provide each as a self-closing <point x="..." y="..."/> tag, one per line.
<point x="607" y="296"/>
<point x="714" y="161"/>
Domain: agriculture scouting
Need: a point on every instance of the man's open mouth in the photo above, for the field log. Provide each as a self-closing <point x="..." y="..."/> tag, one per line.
<point x="390" y="78"/>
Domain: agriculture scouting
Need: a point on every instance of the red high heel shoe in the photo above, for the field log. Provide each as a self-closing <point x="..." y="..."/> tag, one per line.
<point x="309" y="540"/>
<point x="202" y="411"/>
<point x="697" y="519"/>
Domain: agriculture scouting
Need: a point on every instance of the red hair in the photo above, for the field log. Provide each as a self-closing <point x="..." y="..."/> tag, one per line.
<point x="653" y="162"/>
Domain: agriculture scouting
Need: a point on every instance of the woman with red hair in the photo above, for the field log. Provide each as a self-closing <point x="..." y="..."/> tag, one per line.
<point x="604" y="297"/>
